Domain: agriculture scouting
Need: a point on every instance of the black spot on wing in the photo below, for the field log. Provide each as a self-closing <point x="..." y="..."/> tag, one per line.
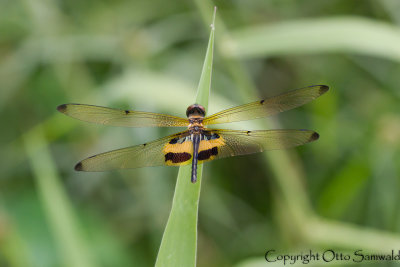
<point x="215" y="136"/>
<point x="174" y="140"/>
<point x="127" y="112"/>
<point x="323" y="89"/>
<point x="206" y="154"/>
<point x="248" y="132"/>
<point x="79" y="167"/>
<point x="206" y="135"/>
<point x="177" y="157"/>
<point x="314" y="137"/>
<point x="262" y="101"/>
<point x="210" y="135"/>
<point x="62" y="108"/>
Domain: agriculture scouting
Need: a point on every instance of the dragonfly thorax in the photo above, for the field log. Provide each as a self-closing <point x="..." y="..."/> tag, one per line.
<point x="195" y="125"/>
<point x="195" y="114"/>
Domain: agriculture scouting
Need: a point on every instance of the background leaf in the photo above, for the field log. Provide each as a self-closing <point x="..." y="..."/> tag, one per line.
<point x="342" y="34"/>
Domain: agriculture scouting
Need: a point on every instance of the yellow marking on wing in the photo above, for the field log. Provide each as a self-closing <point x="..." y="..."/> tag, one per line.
<point x="170" y="163"/>
<point x="185" y="147"/>
<point x="179" y="148"/>
<point x="208" y="144"/>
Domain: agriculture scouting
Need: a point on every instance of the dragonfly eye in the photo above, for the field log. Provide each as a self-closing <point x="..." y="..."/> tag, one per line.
<point x="196" y="109"/>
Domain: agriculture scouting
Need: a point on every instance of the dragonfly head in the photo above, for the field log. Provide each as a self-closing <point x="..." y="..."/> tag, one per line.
<point x="195" y="110"/>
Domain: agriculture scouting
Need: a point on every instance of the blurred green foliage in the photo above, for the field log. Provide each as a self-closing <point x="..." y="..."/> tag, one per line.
<point x="342" y="191"/>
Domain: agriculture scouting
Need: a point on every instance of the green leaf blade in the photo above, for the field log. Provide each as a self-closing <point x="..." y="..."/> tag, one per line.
<point x="179" y="243"/>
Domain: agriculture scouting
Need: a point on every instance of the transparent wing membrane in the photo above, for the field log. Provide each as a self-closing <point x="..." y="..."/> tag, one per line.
<point x="269" y="106"/>
<point x="118" y="117"/>
<point x="155" y="153"/>
<point x="233" y="143"/>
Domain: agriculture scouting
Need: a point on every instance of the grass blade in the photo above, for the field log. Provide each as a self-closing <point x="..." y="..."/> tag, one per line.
<point x="179" y="243"/>
<point x="343" y="34"/>
<point x="72" y="246"/>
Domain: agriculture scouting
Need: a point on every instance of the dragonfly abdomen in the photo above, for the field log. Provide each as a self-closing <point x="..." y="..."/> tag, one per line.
<point x="196" y="143"/>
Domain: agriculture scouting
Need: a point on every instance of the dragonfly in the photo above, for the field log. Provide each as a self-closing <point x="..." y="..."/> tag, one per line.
<point x="197" y="144"/>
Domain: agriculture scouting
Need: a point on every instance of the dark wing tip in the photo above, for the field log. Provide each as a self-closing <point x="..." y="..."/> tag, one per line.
<point x="314" y="136"/>
<point x="62" y="108"/>
<point x="323" y="89"/>
<point x="78" y="167"/>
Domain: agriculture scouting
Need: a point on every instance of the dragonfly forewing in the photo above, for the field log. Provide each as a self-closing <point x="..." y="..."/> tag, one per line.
<point x="269" y="106"/>
<point x="118" y="117"/>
